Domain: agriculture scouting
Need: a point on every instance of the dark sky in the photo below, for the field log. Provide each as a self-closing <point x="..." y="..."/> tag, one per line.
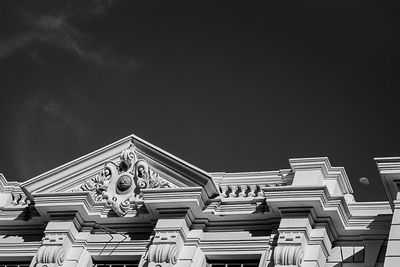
<point x="226" y="86"/>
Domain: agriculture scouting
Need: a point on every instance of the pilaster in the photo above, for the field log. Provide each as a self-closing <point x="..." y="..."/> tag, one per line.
<point x="301" y="245"/>
<point x="389" y="170"/>
<point x="168" y="246"/>
<point x="392" y="257"/>
<point x="57" y="248"/>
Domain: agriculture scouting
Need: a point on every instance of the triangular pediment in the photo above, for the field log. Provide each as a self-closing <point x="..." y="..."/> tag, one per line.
<point x="122" y="168"/>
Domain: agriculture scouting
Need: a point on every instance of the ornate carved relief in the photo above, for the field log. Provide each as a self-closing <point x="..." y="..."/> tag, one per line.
<point x="120" y="184"/>
<point x="164" y="250"/>
<point x="289" y="251"/>
<point x="52" y="252"/>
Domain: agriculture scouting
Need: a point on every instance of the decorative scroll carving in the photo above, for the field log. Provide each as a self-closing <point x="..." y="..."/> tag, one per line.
<point x="19" y="199"/>
<point x="234" y="189"/>
<point x="289" y="251"/>
<point x="147" y="178"/>
<point x="253" y="189"/>
<point x="164" y="250"/>
<point x="224" y="190"/>
<point x="244" y="190"/>
<point x="163" y="253"/>
<point x="52" y="252"/>
<point x="288" y="256"/>
<point x="120" y="184"/>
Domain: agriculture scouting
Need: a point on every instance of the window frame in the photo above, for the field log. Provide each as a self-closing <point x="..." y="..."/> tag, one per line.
<point x="233" y="263"/>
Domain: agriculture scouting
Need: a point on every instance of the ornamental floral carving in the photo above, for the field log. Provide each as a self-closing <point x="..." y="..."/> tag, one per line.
<point x="120" y="184"/>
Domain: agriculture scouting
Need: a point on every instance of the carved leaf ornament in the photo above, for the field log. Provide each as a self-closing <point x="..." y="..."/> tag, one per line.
<point x="120" y="184"/>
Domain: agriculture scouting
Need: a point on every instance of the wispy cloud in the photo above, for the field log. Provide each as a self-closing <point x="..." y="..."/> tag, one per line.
<point x="9" y="46"/>
<point x="45" y="125"/>
<point x="57" y="111"/>
<point x="100" y="7"/>
<point x="58" y="31"/>
<point x="52" y="107"/>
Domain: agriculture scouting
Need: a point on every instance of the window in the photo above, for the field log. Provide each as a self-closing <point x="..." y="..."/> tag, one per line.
<point x="233" y="263"/>
<point x="15" y="264"/>
<point x="115" y="264"/>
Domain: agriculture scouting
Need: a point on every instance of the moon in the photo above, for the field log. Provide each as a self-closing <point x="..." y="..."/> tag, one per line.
<point x="364" y="181"/>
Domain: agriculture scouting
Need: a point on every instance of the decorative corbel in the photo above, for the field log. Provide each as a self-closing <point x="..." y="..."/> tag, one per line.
<point x="165" y="249"/>
<point x="289" y="250"/>
<point x="52" y="252"/>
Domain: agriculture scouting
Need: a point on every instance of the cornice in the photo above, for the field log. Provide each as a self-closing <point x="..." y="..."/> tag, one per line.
<point x="259" y="177"/>
<point x="189" y="171"/>
<point x="23" y="251"/>
<point x="344" y="219"/>
<point x="187" y="202"/>
<point x="322" y="164"/>
<point x="83" y="204"/>
<point x="389" y="170"/>
<point x="13" y="201"/>
<point x="6" y="186"/>
<point x="388" y="165"/>
<point x="239" y="206"/>
<point x="221" y="247"/>
<point x="374" y="209"/>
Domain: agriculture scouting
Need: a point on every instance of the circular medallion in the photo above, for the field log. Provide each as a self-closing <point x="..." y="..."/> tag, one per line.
<point x="124" y="183"/>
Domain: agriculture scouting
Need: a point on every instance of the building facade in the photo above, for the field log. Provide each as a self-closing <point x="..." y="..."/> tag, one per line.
<point x="133" y="204"/>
